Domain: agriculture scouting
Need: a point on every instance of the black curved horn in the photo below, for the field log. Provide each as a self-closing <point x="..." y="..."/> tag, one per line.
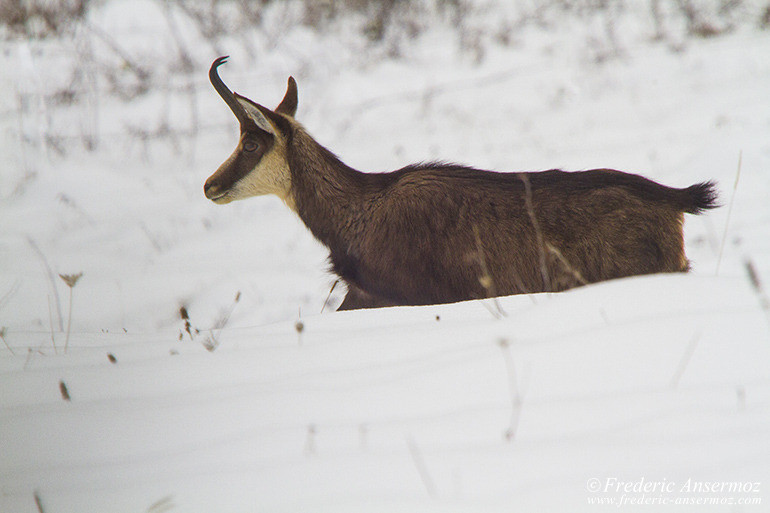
<point x="226" y="94"/>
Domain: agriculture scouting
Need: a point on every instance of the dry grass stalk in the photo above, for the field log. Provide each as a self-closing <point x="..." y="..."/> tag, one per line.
<point x="538" y="233"/>
<point x="8" y="295"/>
<point x="162" y="505"/>
<point x="564" y="262"/>
<point x="185" y="316"/>
<point x="751" y="270"/>
<point x="51" y="279"/>
<point x="422" y="468"/>
<point x="329" y="295"/>
<point x="71" y="280"/>
<point x="2" y="336"/>
<point x="310" y="440"/>
<point x="50" y="322"/>
<point x="516" y="399"/>
<point x="299" y="327"/>
<point x="756" y="284"/>
<point x="486" y="279"/>
<point x="740" y="397"/>
<point x="225" y="318"/>
<point x="30" y="351"/>
<point x="685" y="360"/>
<point x="729" y="212"/>
<point x="363" y="435"/>
<point x="38" y="502"/>
<point x="212" y="342"/>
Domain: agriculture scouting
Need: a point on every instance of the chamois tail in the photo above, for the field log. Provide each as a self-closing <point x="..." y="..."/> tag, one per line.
<point x="700" y="197"/>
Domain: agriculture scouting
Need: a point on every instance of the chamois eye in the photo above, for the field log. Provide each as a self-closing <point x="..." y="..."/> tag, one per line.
<point x="250" y="145"/>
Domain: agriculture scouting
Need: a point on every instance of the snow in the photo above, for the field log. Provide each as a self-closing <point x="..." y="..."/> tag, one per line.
<point x="512" y="405"/>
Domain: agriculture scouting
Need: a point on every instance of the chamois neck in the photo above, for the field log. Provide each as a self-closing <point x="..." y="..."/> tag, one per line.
<point x="327" y="193"/>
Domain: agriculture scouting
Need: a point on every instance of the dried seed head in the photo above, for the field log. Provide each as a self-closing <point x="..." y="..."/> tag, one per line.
<point x="70" y="279"/>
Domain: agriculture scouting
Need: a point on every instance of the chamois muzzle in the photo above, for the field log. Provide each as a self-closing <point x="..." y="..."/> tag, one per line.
<point x="214" y="190"/>
<point x="226" y="94"/>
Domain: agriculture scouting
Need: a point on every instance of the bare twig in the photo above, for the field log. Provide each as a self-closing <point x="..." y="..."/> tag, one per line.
<point x="419" y="95"/>
<point x="184" y="61"/>
<point x="141" y="73"/>
<point x="657" y="18"/>
<point x="89" y="123"/>
<point x="187" y="66"/>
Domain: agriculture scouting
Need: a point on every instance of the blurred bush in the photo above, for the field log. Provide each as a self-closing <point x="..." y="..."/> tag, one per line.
<point x="70" y="56"/>
<point x="40" y="18"/>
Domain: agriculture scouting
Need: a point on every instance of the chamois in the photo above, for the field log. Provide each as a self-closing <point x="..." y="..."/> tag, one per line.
<point x="441" y="233"/>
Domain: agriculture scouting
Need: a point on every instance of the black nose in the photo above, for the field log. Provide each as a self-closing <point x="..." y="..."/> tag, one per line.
<point x="212" y="189"/>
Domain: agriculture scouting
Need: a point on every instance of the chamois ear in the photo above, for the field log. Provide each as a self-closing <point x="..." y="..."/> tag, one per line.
<point x="255" y="115"/>
<point x="288" y="105"/>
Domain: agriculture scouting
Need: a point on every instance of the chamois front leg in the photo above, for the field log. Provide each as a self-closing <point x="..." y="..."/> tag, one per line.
<point x="357" y="299"/>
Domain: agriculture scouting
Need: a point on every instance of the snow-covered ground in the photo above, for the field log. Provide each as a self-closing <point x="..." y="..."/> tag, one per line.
<point x="564" y="401"/>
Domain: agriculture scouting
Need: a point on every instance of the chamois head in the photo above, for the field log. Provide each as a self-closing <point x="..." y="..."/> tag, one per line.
<point x="258" y="165"/>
